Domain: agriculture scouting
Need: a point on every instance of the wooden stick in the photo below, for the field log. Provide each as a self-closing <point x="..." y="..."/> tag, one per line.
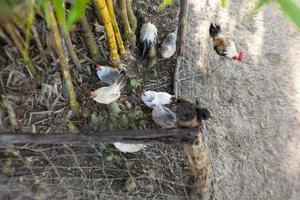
<point x="154" y="136"/>
<point x="182" y="26"/>
<point x="197" y="154"/>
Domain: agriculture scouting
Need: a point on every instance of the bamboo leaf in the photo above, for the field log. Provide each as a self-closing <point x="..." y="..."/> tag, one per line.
<point x="43" y="7"/>
<point x="224" y="3"/>
<point x="30" y="21"/>
<point x="164" y="4"/>
<point x="291" y="9"/>
<point x="59" y="11"/>
<point x="77" y="10"/>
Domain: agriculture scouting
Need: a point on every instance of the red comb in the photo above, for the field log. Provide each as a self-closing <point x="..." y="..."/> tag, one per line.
<point x="241" y="56"/>
<point x="98" y="66"/>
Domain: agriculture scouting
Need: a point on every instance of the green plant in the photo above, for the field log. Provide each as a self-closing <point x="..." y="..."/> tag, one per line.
<point x="164" y="4"/>
<point x="288" y="7"/>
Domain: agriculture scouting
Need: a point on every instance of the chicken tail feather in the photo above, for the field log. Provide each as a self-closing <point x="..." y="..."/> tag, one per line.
<point x="145" y="49"/>
<point x="121" y="81"/>
<point x="214" y="30"/>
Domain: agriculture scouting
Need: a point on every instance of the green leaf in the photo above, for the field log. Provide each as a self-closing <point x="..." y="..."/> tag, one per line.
<point x="224" y="3"/>
<point x="30" y="21"/>
<point x="77" y="10"/>
<point x="59" y="8"/>
<point x="43" y="6"/>
<point x="164" y="4"/>
<point x="291" y="9"/>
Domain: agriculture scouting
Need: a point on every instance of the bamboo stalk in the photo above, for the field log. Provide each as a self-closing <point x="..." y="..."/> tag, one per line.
<point x="18" y="41"/>
<point x="115" y="26"/>
<point x="63" y="61"/>
<point x="131" y="16"/>
<point x="129" y="34"/>
<point x="67" y="38"/>
<point x="109" y="30"/>
<point x="94" y="51"/>
<point x="71" y="51"/>
<point x="11" y="113"/>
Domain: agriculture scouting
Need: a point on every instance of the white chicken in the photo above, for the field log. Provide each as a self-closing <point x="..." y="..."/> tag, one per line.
<point x="163" y="116"/>
<point x="152" y="98"/>
<point x="107" y="74"/>
<point x="148" y="36"/>
<point x="168" y="47"/>
<point x="107" y="95"/>
<point x="129" y="148"/>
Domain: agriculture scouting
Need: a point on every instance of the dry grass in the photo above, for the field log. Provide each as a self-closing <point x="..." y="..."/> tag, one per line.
<point x="86" y="171"/>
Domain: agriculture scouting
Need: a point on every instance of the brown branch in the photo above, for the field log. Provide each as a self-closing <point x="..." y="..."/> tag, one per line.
<point x="182" y="26"/>
<point x="154" y="136"/>
<point x="182" y="31"/>
<point x="11" y="113"/>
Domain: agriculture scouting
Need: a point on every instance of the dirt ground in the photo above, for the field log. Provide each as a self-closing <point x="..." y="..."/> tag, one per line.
<point x="254" y="136"/>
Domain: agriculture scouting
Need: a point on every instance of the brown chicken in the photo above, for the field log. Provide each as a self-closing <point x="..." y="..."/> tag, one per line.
<point x="223" y="45"/>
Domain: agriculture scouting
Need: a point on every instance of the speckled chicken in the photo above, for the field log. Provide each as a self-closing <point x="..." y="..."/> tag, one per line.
<point x="148" y="37"/>
<point x="223" y="45"/>
<point x="152" y="98"/>
<point x="107" y="74"/>
<point x="129" y="148"/>
<point x="107" y="95"/>
<point x="163" y="116"/>
<point x="168" y="47"/>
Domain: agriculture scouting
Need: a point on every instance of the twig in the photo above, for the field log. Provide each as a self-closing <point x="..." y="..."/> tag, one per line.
<point x="11" y="113"/>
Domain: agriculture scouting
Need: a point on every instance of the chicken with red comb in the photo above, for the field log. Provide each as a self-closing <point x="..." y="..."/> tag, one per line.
<point x="223" y="45"/>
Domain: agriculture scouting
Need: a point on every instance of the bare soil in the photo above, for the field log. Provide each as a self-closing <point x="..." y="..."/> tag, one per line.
<point x="254" y="135"/>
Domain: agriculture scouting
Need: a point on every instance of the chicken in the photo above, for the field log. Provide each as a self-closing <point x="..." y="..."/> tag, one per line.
<point x="129" y="148"/>
<point x="168" y="47"/>
<point x="107" y="74"/>
<point x="163" y="116"/>
<point x="148" y="37"/>
<point x="223" y="45"/>
<point x="152" y="98"/>
<point x="107" y="95"/>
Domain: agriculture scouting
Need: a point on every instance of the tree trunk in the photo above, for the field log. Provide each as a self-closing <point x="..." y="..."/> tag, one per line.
<point x="197" y="154"/>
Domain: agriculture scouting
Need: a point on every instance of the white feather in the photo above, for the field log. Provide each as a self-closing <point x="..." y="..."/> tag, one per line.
<point x="230" y="49"/>
<point x="108" y="74"/>
<point x="107" y="95"/>
<point x="129" y="148"/>
<point x="168" y="47"/>
<point x="164" y="117"/>
<point x="151" y="98"/>
<point x="148" y="33"/>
